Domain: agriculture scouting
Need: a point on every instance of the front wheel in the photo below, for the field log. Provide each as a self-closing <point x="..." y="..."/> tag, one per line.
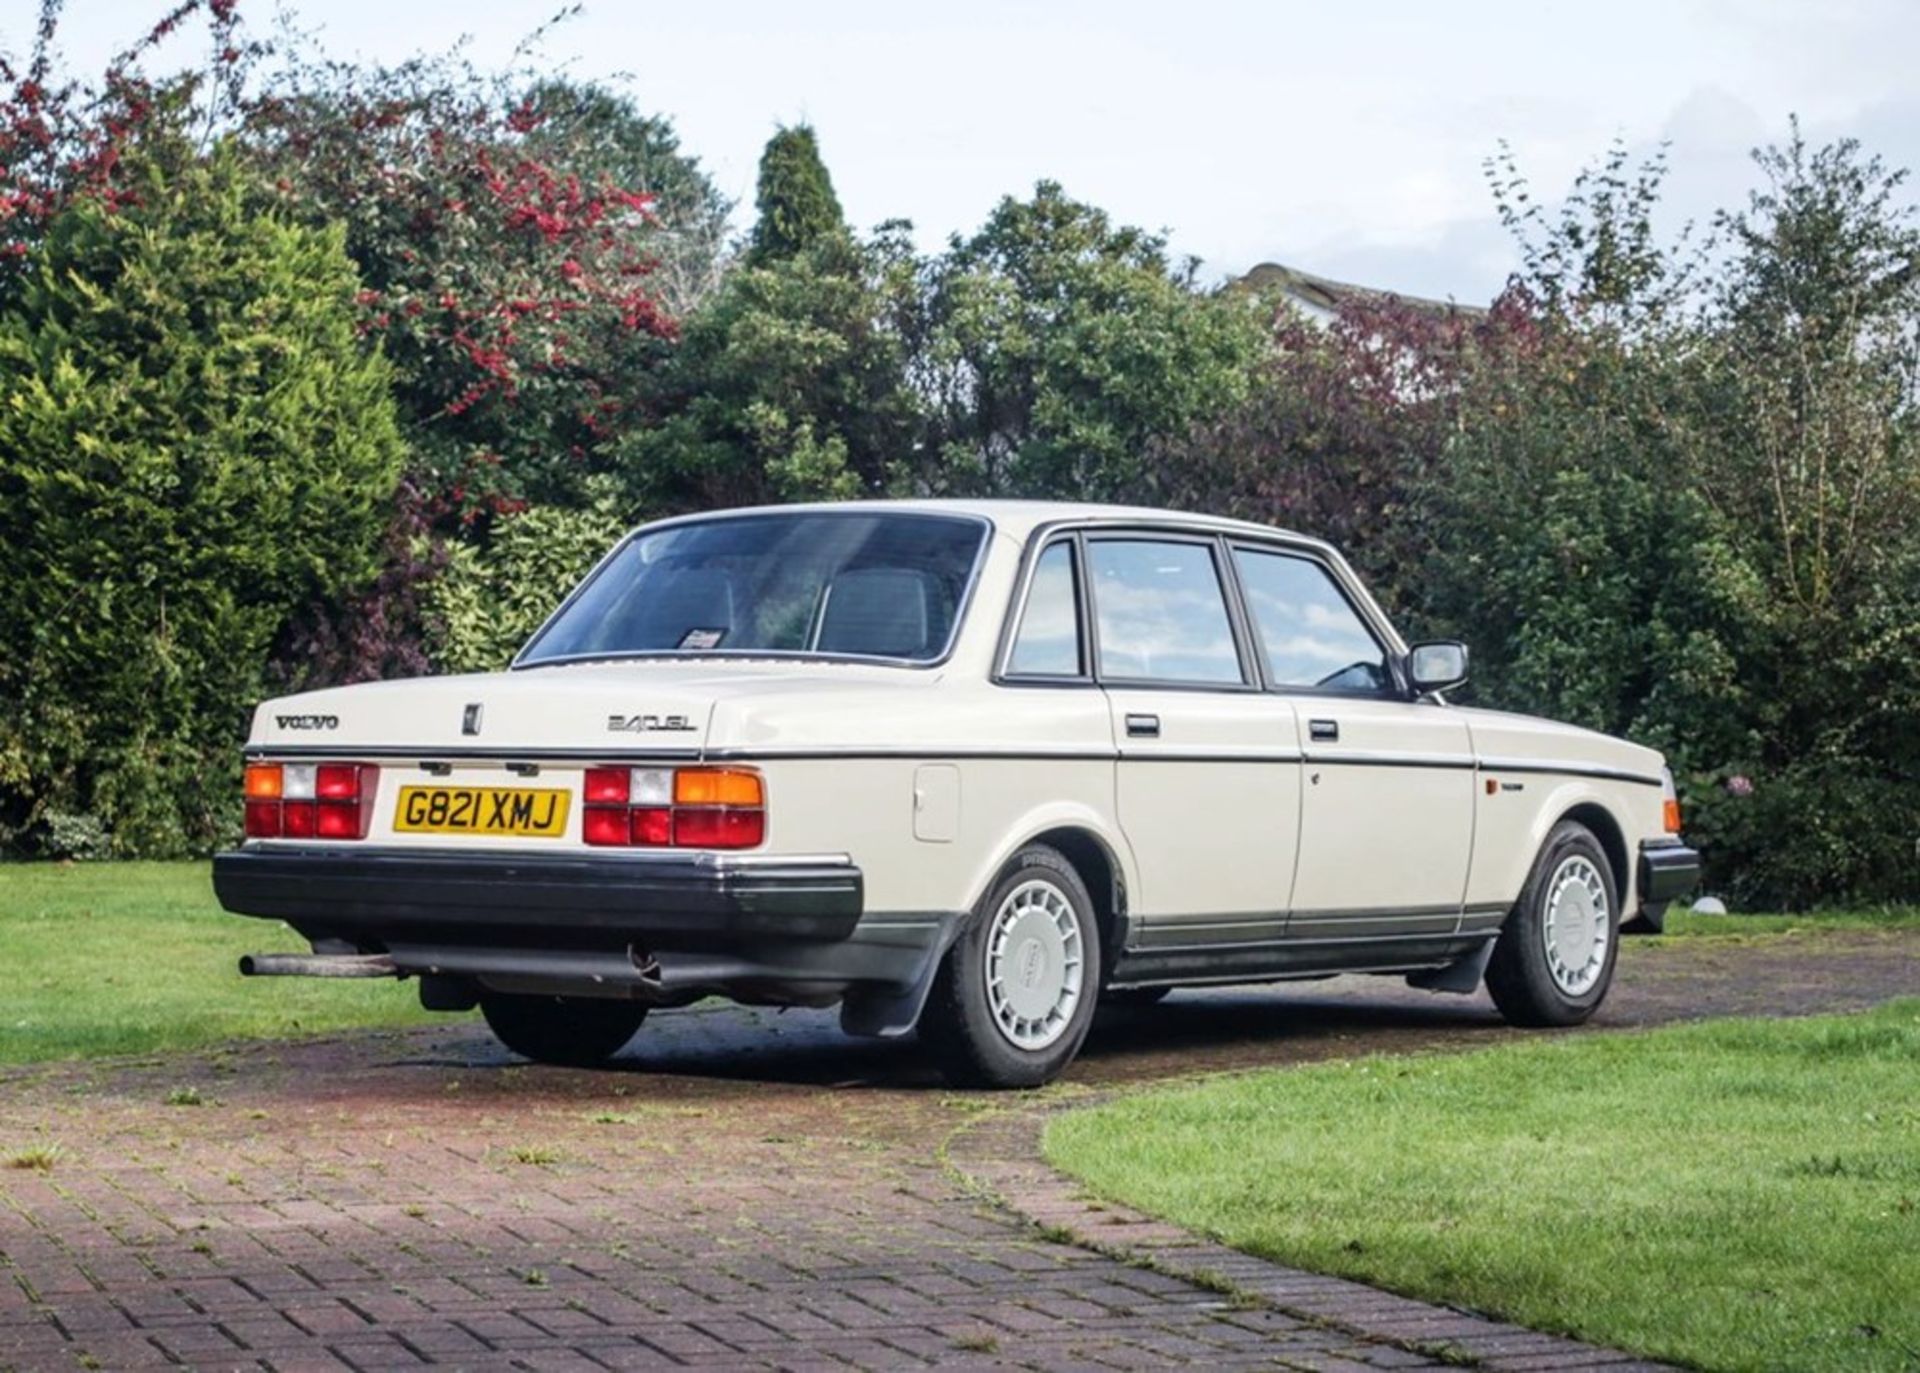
<point x="1554" y="959"/>
<point x="568" y="1031"/>
<point x="1016" y="993"/>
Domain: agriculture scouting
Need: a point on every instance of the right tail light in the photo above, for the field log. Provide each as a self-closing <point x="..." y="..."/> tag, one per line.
<point x="682" y="808"/>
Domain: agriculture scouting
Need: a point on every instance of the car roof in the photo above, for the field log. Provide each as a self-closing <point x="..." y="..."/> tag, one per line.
<point x="1014" y="518"/>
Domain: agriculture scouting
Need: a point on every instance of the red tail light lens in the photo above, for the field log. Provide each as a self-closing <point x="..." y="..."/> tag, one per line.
<point x="341" y="820"/>
<point x="296" y="819"/>
<point x="337" y="782"/>
<point x="653" y="827"/>
<point x="688" y="808"/>
<point x="310" y="800"/>
<point x="604" y="826"/>
<point x="719" y="828"/>
<point x="607" y="786"/>
<point x="263" y="819"/>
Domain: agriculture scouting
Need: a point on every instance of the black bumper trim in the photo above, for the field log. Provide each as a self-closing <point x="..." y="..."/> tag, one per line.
<point x="1668" y="870"/>
<point x="695" y="900"/>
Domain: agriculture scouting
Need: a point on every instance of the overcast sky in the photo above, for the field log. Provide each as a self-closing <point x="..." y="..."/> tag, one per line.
<point x="1343" y="138"/>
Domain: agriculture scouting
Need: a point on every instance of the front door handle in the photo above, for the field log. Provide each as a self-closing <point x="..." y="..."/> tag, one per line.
<point x="1143" y="726"/>
<point x="1323" y="731"/>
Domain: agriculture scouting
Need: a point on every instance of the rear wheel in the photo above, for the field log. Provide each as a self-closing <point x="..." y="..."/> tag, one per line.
<point x="1554" y="960"/>
<point x="570" y="1031"/>
<point x="1015" y="996"/>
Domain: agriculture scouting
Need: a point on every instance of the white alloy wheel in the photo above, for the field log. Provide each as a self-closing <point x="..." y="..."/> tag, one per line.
<point x="1034" y="965"/>
<point x="1577" y="926"/>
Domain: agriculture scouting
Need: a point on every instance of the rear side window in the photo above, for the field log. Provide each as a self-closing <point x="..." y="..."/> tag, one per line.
<point x="1311" y="634"/>
<point x="1048" y="641"/>
<point x="1161" y="612"/>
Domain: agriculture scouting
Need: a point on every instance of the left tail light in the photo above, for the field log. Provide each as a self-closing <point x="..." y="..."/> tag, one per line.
<point x="1669" y="802"/>
<point x="310" y="800"/>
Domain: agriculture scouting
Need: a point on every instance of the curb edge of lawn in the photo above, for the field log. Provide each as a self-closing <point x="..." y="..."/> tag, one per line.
<point x="998" y="1156"/>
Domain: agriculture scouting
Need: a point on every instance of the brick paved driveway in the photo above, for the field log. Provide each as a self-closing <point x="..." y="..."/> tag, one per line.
<point x="752" y="1190"/>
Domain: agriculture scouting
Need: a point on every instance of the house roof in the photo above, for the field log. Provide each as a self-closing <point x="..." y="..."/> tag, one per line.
<point x="1323" y="295"/>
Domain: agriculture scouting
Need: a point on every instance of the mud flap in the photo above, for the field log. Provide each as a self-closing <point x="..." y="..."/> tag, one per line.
<point x="1461" y="977"/>
<point x="887" y="1012"/>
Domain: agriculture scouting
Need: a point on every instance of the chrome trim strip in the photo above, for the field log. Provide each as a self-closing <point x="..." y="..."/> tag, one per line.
<point x="505" y="756"/>
<point x="700" y="858"/>
<point x="1462" y="761"/>
<point x="1568" y="770"/>
<point x="1036" y="755"/>
<point x="934" y="753"/>
<point x="1291" y="944"/>
<point x="1286" y="929"/>
<point x="1138" y="754"/>
<point x="589" y="754"/>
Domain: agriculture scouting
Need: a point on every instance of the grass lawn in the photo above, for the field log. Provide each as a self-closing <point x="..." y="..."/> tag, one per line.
<point x="1737" y="1194"/>
<point x="1685" y="924"/>
<point x="116" y="958"/>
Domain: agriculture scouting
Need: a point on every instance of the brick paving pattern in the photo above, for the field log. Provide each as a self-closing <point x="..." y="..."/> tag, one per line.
<point x="751" y="1190"/>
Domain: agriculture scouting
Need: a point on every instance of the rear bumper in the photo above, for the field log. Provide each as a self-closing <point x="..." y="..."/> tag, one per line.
<point x="702" y="901"/>
<point x="665" y="928"/>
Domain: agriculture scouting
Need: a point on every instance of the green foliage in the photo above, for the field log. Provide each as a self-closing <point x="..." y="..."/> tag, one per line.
<point x="1693" y="526"/>
<point x="1062" y="351"/>
<point x="790" y="385"/>
<point x="1337" y="434"/>
<point x="193" y="443"/>
<point x="508" y="276"/>
<point x="598" y="134"/>
<point x="1598" y="254"/>
<point x="795" y="200"/>
<point x="490" y="599"/>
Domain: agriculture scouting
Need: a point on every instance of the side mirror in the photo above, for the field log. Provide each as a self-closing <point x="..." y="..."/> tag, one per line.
<point x="1439" y="665"/>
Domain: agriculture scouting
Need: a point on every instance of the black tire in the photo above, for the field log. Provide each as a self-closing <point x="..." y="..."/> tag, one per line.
<point x="1520" y="975"/>
<point x="569" y="1031"/>
<point x="1134" y="996"/>
<point x="959" y="1023"/>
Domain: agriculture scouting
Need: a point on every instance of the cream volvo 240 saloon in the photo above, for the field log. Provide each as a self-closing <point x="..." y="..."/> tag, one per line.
<point x="966" y="767"/>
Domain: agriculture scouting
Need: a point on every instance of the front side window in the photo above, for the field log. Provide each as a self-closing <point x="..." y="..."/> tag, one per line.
<point x="1047" y="643"/>
<point x="1161" y="612"/>
<point x="839" y="584"/>
<point x="1311" y="634"/>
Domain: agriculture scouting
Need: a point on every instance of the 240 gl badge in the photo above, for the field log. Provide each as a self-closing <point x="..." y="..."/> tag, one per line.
<point x="651" y="724"/>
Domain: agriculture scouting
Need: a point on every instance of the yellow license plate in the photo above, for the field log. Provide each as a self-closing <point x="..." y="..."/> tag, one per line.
<point x="539" y="812"/>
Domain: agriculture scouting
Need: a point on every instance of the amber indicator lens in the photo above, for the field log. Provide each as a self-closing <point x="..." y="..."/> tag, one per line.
<point x="716" y="787"/>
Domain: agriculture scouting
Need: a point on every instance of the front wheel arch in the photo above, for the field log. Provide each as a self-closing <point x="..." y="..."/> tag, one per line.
<point x="1613" y="840"/>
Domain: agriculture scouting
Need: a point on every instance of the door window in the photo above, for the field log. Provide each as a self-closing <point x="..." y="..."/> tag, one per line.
<point x="1047" y="643"/>
<point x="1310" y="633"/>
<point x="1161" y="613"/>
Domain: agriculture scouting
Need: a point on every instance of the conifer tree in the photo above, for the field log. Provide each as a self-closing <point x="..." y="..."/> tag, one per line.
<point x="797" y="206"/>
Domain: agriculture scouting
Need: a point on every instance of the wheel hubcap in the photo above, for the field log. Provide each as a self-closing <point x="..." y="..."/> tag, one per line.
<point x="1578" y="927"/>
<point x="1034" y="965"/>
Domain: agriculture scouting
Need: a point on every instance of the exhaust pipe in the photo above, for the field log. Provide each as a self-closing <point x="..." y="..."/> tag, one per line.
<point x="317" y="965"/>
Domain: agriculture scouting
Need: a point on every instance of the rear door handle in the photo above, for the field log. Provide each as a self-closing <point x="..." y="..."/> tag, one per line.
<point x="1323" y="731"/>
<point x="1143" y="726"/>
